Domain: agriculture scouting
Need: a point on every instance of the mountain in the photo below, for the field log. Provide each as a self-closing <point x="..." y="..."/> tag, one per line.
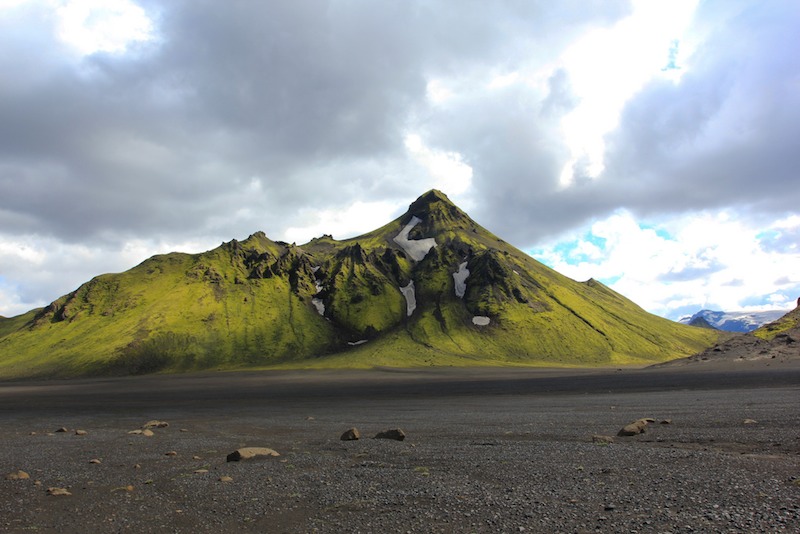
<point x="431" y="287"/>
<point x="732" y="321"/>
<point x="775" y="342"/>
<point x="701" y="322"/>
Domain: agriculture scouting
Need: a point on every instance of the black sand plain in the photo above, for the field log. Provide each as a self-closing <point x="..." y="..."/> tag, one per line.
<point x="486" y="450"/>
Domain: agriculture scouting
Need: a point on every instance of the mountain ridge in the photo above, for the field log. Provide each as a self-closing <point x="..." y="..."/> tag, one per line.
<point x="431" y="287"/>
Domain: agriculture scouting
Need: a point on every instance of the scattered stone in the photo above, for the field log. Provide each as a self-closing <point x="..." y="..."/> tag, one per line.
<point x="632" y="429"/>
<point x="170" y="453"/>
<point x="394" y="433"/>
<point x="666" y="421"/>
<point x="155" y="424"/>
<point x="310" y="418"/>
<point x="58" y="491"/>
<point x="225" y="479"/>
<point x="200" y="471"/>
<point x="137" y="466"/>
<point x="249" y="453"/>
<point x="81" y="432"/>
<point x="33" y="433"/>
<point x="18" y="475"/>
<point x="95" y="461"/>
<point x="148" y="433"/>
<point x="62" y="429"/>
<point x="647" y="420"/>
<point x="351" y="434"/>
<point x="135" y="432"/>
<point x="195" y="457"/>
<point x="609" y="508"/>
<point x="597" y="438"/>
<point x="128" y="488"/>
<point x="749" y="422"/>
<point x="184" y="430"/>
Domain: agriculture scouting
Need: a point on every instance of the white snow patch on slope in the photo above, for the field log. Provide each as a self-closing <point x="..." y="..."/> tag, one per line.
<point x="416" y="248"/>
<point x="481" y="320"/>
<point x="356" y="343"/>
<point x="411" y="299"/>
<point x="460" y="279"/>
<point x="318" y="304"/>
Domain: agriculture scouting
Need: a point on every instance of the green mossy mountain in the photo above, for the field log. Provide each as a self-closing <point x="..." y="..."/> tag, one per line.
<point x="328" y="303"/>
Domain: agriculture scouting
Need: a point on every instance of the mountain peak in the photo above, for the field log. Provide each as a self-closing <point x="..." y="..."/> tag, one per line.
<point x="433" y="200"/>
<point x="437" y="212"/>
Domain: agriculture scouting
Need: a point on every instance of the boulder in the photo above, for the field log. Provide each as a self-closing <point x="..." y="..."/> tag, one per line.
<point x="80" y="432"/>
<point x="396" y="434"/>
<point x="632" y="429"/>
<point x="351" y="434"/>
<point x="250" y="453"/>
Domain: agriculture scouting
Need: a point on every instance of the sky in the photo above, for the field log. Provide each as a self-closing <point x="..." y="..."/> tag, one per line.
<point x="651" y="145"/>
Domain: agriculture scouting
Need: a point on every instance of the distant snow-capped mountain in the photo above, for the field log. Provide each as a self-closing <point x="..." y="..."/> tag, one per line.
<point x="733" y="321"/>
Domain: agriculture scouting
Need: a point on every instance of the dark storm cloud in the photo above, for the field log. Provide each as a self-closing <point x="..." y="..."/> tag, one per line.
<point x="238" y="108"/>
<point x="727" y="134"/>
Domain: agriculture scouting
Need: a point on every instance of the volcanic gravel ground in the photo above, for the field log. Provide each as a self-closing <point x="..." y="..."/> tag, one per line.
<point x="485" y="461"/>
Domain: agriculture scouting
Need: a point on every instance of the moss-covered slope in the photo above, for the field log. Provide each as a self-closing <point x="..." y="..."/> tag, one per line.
<point x="388" y="297"/>
<point x="789" y="323"/>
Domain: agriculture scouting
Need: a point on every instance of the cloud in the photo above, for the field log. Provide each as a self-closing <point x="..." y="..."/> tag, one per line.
<point x="726" y="134"/>
<point x="680" y="265"/>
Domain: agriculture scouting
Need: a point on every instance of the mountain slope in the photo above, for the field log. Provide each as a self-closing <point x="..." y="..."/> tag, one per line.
<point x="429" y="288"/>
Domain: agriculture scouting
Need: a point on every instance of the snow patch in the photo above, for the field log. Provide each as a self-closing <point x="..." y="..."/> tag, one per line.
<point x="319" y="305"/>
<point x="481" y="320"/>
<point x="411" y="299"/>
<point x="356" y="343"/>
<point x="460" y="279"/>
<point x="416" y="248"/>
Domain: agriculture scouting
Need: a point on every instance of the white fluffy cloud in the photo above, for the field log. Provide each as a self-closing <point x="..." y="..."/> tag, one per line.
<point x="676" y="266"/>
